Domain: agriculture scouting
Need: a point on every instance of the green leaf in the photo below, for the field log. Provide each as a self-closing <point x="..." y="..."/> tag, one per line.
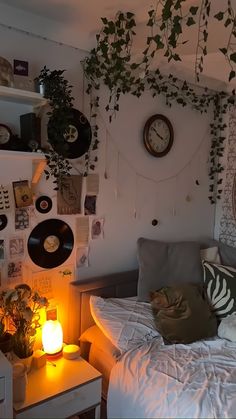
<point x="231" y="75"/>
<point x="193" y="10"/>
<point x="190" y="21"/>
<point x="223" y="50"/>
<point x="233" y="57"/>
<point x="219" y="16"/>
<point x="166" y="11"/>
<point x="104" y="20"/>
<point x="228" y="22"/>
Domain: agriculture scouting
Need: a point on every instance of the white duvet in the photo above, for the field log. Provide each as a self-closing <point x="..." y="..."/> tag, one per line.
<point x="175" y="381"/>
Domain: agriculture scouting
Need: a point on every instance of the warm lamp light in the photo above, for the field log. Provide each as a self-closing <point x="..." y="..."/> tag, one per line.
<point x="52" y="337"/>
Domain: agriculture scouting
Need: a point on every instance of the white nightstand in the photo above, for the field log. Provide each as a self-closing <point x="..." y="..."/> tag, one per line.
<point x="70" y="387"/>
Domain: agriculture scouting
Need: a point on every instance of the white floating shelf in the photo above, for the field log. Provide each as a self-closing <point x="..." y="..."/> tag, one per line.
<point x="12" y="154"/>
<point x="9" y="94"/>
<point x="38" y="161"/>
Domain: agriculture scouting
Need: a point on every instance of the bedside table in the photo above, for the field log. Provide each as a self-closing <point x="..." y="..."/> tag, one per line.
<point x="61" y="389"/>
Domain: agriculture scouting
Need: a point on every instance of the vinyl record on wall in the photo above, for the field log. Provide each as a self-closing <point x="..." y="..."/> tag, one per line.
<point x="43" y="204"/>
<point x="50" y="243"/>
<point x="77" y="139"/>
<point x="3" y="221"/>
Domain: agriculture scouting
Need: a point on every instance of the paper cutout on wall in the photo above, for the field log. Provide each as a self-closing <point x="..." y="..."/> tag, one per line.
<point x="69" y="195"/>
<point x="16" y="247"/>
<point x="22" y="194"/>
<point x="2" y="253"/>
<point x="82" y="257"/>
<point x="14" y="271"/>
<point x="92" y="184"/>
<point x="97" y="228"/>
<point x="82" y="231"/>
<point x="90" y="205"/>
<point x="21" y="218"/>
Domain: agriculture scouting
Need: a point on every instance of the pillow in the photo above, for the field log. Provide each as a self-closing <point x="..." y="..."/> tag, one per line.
<point x="126" y="322"/>
<point x="211" y="254"/>
<point x="182" y="313"/>
<point x="220" y="284"/>
<point x="227" y="328"/>
<point x="161" y="264"/>
<point x="227" y="254"/>
<point x="94" y="335"/>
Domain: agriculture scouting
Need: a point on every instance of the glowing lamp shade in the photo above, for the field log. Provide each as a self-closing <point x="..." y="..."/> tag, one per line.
<point x="52" y="337"/>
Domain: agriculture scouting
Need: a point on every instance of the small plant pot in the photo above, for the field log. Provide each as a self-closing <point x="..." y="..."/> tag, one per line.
<point x="6" y="342"/>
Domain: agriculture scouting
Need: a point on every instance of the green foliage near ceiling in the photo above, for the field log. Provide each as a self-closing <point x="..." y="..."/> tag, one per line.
<point x="111" y="63"/>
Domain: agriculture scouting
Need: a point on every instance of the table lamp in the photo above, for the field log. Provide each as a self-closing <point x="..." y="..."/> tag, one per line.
<point x="52" y="337"/>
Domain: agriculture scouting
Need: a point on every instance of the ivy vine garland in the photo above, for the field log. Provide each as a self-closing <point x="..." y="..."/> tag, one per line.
<point x="111" y="63"/>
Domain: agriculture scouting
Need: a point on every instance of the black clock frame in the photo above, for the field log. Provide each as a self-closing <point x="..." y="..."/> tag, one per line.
<point x="146" y="129"/>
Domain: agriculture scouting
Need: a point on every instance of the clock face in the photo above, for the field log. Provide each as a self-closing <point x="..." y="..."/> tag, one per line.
<point x="158" y="135"/>
<point x="5" y="134"/>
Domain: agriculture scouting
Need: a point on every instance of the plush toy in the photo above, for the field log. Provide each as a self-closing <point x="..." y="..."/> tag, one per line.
<point x="227" y="328"/>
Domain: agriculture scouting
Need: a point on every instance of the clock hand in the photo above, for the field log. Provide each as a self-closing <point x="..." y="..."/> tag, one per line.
<point x="157" y="133"/>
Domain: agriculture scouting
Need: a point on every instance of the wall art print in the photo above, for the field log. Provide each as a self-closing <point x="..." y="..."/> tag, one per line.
<point x="22" y="193"/>
<point x="227" y="229"/>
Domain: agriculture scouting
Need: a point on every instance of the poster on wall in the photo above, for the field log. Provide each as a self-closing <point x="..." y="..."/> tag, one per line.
<point x="97" y="228"/>
<point x="14" y="272"/>
<point x="16" y="247"/>
<point x="21" y="218"/>
<point x="90" y="205"/>
<point x="82" y="257"/>
<point x="22" y="193"/>
<point x="82" y="231"/>
<point x="92" y="184"/>
<point x="69" y="195"/>
<point x="42" y="282"/>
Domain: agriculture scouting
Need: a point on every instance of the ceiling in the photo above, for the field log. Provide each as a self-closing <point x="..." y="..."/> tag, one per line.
<point x="82" y="18"/>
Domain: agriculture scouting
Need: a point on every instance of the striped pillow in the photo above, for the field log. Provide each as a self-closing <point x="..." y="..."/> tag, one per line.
<point x="220" y="282"/>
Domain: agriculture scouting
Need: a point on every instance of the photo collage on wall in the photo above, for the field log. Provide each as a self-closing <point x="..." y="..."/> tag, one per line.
<point x="20" y="210"/>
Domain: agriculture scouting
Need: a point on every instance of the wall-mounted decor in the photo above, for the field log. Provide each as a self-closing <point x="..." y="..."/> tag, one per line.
<point x="69" y="195"/>
<point x="76" y="139"/>
<point x="50" y="243"/>
<point x="43" y="204"/>
<point x="21" y="68"/>
<point x="158" y="135"/>
<point x="22" y="193"/>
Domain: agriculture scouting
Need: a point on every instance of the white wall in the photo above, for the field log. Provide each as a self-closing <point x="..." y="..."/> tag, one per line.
<point x="126" y="188"/>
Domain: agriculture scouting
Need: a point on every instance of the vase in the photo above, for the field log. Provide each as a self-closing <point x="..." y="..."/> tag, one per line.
<point x="27" y="362"/>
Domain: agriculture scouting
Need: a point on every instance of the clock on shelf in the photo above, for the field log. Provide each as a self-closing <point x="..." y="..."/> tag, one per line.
<point x="5" y="136"/>
<point x="158" y="135"/>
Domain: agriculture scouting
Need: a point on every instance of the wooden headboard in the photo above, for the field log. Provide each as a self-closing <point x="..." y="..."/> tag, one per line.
<point x="121" y="284"/>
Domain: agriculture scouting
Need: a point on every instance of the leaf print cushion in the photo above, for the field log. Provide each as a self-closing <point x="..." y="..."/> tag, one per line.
<point x="220" y="282"/>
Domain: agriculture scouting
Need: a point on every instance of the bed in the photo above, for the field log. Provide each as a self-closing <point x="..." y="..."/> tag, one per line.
<point x="152" y="379"/>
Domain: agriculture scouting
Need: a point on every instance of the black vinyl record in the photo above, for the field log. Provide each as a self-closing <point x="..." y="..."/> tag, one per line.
<point x="77" y="139"/>
<point x="50" y="243"/>
<point x="43" y="204"/>
<point x="3" y="221"/>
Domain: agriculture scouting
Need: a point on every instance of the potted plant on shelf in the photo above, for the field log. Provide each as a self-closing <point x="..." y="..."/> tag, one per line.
<point x="22" y="306"/>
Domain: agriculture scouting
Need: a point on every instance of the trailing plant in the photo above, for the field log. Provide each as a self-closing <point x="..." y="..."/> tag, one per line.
<point x="111" y="63"/>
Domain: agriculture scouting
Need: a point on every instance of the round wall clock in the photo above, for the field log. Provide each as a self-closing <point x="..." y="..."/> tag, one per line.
<point x="158" y="135"/>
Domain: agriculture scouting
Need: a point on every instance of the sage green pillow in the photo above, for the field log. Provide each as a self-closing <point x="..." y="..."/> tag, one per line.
<point x="182" y="313"/>
<point x="163" y="263"/>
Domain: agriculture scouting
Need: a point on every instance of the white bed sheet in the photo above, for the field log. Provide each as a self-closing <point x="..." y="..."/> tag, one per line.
<point x="175" y="381"/>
